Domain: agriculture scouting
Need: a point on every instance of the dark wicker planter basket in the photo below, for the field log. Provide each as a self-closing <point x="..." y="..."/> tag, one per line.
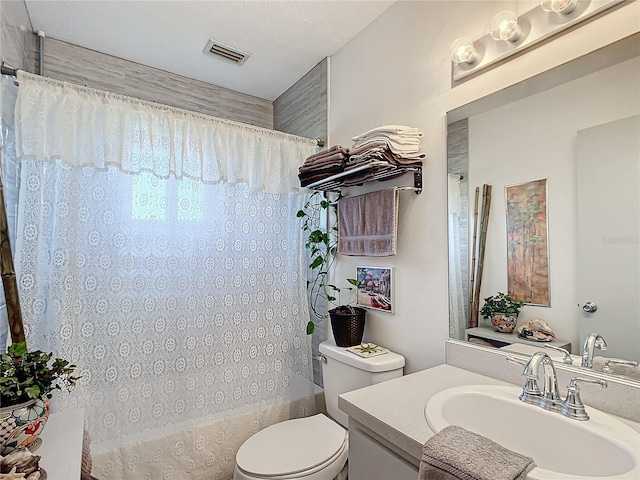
<point x="348" y="328"/>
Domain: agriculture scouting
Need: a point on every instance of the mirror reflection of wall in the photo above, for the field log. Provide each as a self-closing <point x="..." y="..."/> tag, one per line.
<point x="608" y="236"/>
<point x="530" y="139"/>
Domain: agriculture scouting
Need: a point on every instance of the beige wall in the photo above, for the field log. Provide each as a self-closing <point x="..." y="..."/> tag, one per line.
<point x="397" y="71"/>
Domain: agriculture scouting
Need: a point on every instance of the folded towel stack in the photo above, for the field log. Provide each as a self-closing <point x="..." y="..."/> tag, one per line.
<point x="395" y="145"/>
<point x="401" y="141"/>
<point x="457" y="453"/>
<point x="323" y="164"/>
<point x="392" y="144"/>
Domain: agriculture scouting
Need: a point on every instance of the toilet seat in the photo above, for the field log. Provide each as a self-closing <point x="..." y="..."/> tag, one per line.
<point x="311" y="447"/>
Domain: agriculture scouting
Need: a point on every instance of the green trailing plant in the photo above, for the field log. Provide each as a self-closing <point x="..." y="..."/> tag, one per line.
<point x="500" y="303"/>
<point x="319" y="222"/>
<point x="28" y="375"/>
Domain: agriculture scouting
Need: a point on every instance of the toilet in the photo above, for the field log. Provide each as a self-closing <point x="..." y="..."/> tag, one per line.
<point x="315" y="448"/>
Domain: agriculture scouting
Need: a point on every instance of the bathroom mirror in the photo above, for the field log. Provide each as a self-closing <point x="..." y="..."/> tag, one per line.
<point x="546" y="128"/>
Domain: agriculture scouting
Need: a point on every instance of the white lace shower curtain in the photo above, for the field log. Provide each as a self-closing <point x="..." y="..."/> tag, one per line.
<point x="159" y="250"/>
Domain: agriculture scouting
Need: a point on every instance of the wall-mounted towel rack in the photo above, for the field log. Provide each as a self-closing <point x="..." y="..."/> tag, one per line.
<point x="380" y="170"/>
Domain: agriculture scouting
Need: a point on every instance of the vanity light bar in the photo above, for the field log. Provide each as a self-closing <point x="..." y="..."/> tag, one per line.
<point x="534" y="26"/>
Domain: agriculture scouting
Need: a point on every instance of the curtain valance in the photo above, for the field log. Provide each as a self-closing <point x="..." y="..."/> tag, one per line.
<point x="90" y="128"/>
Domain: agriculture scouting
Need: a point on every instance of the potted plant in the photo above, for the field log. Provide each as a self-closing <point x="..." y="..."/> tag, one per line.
<point x="27" y="380"/>
<point x="319" y="222"/>
<point x="347" y="321"/>
<point x="502" y="310"/>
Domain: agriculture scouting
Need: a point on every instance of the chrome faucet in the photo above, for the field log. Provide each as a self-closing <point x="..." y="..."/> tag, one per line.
<point x="592" y="341"/>
<point x="549" y="398"/>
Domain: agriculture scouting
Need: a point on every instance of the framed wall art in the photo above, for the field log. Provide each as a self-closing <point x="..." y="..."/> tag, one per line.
<point x="528" y="242"/>
<point x="375" y="287"/>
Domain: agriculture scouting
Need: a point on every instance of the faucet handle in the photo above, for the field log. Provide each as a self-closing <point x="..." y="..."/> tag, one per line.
<point x="574" y="382"/>
<point x="567" y="356"/>
<point x="573" y="406"/>
<point x="530" y="391"/>
<point x="519" y="361"/>
<point x="617" y="361"/>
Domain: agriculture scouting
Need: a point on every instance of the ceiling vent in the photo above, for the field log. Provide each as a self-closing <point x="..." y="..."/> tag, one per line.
<point x="225" y="51"/>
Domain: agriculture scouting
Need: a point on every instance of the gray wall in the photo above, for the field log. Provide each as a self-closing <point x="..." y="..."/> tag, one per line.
<point x="72" y="63"/>
<point x="302" y="109"/>
<point x="458" y="162"/>
<point x="17" y="42"/>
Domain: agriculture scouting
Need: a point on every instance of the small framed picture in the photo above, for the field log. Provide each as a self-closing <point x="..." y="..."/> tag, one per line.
<point x="375" y="287"/>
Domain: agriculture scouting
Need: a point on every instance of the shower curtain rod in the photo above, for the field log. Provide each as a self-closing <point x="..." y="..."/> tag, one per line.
<point x="9" y="70"/>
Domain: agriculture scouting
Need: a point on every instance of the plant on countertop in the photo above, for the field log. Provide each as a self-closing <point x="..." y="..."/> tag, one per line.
<point x="500" y="303"/>
<point x="30" y="375"/>
<point x="322" y="242"/>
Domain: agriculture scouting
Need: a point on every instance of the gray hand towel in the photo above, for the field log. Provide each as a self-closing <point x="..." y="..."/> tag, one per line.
<point x="457" y="453"/>
<point x="368" y="224"/>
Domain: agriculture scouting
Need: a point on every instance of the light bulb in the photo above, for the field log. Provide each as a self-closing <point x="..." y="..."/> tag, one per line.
<point x="504" y="26"/>
<point x="463" y="51"/>
<point x="564" y="7"/>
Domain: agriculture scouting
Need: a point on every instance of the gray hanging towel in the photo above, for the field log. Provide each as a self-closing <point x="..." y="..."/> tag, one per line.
<point x="368" y="224"/>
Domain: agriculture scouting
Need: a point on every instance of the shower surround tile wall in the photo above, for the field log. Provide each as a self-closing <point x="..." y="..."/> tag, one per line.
<point x="302" y="110"/>
<point x="457" y="162"/>
<point x="72" y="63"/>
<point x="17" y="42"/>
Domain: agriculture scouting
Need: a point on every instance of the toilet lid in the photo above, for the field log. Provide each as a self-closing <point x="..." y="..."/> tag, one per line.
<point x="290" y="447"/>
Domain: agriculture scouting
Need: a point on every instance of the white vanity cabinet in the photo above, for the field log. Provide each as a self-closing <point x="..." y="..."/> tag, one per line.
<point x="373" y="458"/>
<point x="61" y="449"/>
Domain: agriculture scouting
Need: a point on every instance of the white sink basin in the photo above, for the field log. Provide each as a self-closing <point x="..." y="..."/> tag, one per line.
<point x="602" y="447"/>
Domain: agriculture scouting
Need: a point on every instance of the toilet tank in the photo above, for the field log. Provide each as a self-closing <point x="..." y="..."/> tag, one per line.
<point x="343" y="371"/>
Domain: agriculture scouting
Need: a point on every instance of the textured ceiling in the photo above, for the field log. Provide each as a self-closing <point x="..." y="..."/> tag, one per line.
<point x="285" y="38"/>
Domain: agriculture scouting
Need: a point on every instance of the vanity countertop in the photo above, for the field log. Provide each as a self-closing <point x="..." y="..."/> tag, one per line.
<point x="395" y="409"/>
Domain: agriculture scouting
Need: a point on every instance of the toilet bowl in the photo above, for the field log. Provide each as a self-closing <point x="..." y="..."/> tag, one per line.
<point x="317" y="447"/>
<point x="313" y="448"/>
